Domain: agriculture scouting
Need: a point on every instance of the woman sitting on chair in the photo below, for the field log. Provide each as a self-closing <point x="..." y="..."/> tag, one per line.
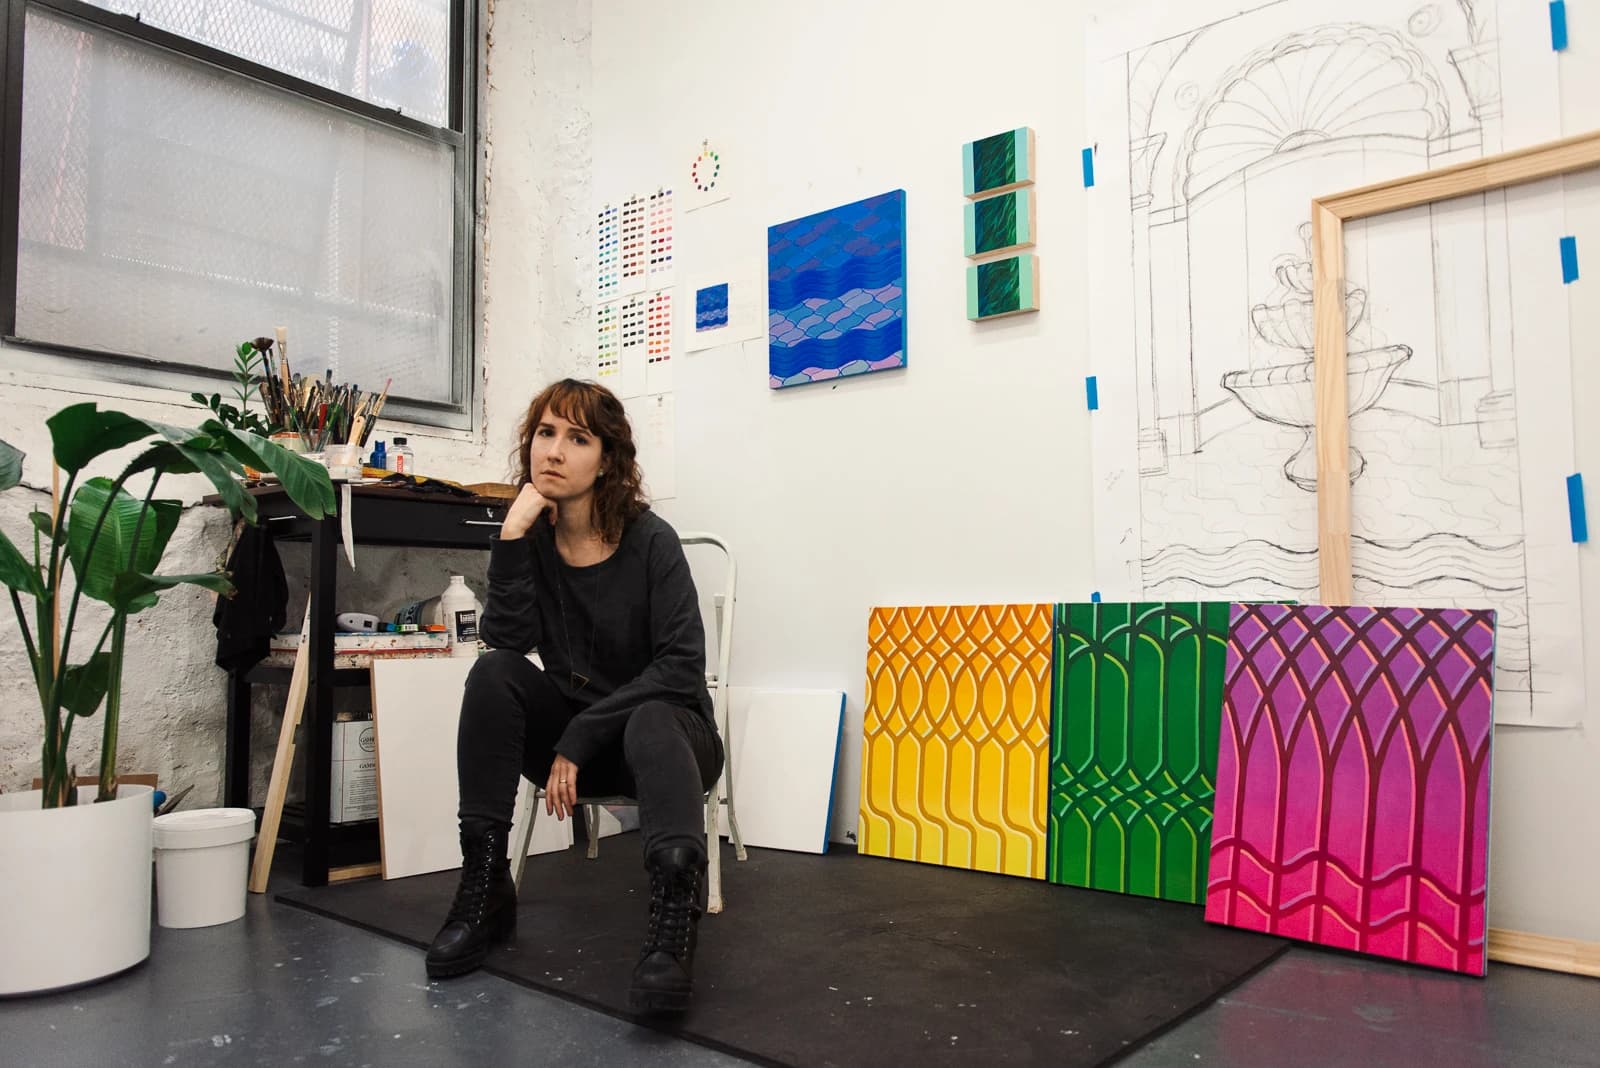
<point x="585" y="571"/>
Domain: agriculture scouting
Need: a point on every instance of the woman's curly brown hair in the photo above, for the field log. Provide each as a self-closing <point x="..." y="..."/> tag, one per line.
<point x="618" y="493"/>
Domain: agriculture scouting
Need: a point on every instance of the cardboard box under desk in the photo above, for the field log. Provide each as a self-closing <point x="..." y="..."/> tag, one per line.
<point x="353" y="791"/>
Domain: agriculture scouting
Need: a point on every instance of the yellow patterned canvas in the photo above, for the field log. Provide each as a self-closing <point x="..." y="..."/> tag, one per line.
<point x="955" y="763"/>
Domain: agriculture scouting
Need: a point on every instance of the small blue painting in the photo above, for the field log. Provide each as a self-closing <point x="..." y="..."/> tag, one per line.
<point x="711" y="307"/>
<point x="836" y="292"/>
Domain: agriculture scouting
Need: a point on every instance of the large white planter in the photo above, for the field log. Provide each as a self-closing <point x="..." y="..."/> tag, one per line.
<point x="74" y="889"/>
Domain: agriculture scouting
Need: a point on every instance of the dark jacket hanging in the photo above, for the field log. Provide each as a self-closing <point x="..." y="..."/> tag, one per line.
<point x="247" y="621"/>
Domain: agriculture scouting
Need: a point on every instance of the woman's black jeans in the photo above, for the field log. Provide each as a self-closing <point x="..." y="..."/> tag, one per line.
<point x="512" y="715"/>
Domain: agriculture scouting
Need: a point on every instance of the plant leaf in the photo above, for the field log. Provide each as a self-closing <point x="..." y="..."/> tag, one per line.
<point x="80" y="432"/>
<point x="42" y="523"/>
<point x="305" y="481"/>
<point x="135" y="590"/>
<point x="15" y="570"/>
<point x="98" y="567"/>
<point x="114" y="551"/>
<point x="204" y="455"/>
<point x="83" y="686"/>
<point x="10" y="465"/>
<point x="170" y="459"/>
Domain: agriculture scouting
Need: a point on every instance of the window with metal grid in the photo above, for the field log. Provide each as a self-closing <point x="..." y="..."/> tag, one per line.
<point x="183" y="174"/>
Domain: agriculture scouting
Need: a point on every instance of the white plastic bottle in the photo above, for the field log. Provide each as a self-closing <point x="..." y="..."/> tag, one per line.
<point x="460" y="610"/>
<point x="401" y="459"/>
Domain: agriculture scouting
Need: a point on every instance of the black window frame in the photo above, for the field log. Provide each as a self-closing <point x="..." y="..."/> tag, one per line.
<point x="122" y="368"/>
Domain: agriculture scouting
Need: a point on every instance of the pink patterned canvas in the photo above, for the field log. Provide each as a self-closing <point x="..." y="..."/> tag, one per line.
<point x="1352" y="804"/>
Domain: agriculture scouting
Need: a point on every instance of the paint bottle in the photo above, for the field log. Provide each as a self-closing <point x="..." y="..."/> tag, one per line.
<point x="380" y="457"/>
<point x="401" y="459"/>
<point x="460" y="610"/>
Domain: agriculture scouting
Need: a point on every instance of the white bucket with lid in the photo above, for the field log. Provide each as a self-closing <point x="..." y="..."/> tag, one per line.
<point x="202" y="863"/>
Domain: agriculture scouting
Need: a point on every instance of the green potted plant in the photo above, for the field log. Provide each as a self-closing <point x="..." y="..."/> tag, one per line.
<point x="250" y="369"/>
<point x="86" y="853"/>
<point x="248" y="357"/>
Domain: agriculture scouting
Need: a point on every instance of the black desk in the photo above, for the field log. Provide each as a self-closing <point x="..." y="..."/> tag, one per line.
<point x="382" y="516"/>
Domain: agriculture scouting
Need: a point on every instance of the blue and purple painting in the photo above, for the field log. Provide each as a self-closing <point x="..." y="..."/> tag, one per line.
<point x="836" y="292"/>
<point x="711" y="307"/>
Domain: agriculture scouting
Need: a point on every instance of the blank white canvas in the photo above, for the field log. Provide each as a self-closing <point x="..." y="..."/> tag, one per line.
<point x="415" y="708"/>
<point x="785" y="747"/>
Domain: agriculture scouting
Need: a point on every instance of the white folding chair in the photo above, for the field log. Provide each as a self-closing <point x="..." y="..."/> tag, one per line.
<point x="720" y="794"/>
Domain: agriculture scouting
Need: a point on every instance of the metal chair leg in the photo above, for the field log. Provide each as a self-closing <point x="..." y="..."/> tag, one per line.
<point x="530" y="812"/>
<point x="713" y="857"/>
<point x="591" y="826"/>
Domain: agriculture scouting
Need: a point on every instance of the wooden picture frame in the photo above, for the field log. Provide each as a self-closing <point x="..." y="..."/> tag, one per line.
<point x="1328" y="216"/>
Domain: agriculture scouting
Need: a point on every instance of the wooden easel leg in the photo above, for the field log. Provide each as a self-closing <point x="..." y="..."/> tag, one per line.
<point x="283" y="761"/>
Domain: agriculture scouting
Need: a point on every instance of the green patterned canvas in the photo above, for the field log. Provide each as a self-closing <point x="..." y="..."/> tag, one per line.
<point x="1137" y="701"/>
<point x="1003" y="287"/>
<point x="1000" y="224"/>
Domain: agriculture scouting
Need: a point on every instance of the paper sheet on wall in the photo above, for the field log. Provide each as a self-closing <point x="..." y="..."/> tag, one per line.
<point x="633" y="223"/>
<point x="655" y="433"/>
<point x="633" y="351"/>
<point x="722" y="310"/>
<point x="659" y="342"/>
<point x="607" y="254"/>
<point x="706" y="180"/>
<point x="608" y="344"/>
<point x="1214" y="133"/>
<point x="663" y="265"/>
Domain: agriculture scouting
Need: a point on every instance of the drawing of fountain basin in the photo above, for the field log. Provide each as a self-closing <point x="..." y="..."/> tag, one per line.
<point x="1286" y="394"/>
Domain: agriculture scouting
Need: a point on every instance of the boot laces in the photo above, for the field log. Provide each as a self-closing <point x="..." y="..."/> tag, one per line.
<point x="472" y="895"/>
<point x="673" y="907"/>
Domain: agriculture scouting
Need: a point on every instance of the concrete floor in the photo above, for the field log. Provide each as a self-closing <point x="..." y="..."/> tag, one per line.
<point x="286" y="987"/>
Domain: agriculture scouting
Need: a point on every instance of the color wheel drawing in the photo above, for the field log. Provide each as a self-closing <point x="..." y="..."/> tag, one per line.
<point x="1352" y="805"/>
<point x="704" y="171"/>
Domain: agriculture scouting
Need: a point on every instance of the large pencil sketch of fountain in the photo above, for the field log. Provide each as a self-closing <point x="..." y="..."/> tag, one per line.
<point x="1233" y="128"/>
<point x="1285" y="393"/>
<point x="1230" y="129"/>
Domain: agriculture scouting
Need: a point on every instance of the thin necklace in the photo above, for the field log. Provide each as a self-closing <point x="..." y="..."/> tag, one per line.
<point x="579" y="681"/>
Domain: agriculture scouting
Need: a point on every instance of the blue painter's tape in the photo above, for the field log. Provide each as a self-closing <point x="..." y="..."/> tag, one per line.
<point x="1558" y="25"/>
<point x="1580" y="520"/>
<point x="1094" y="598"/>
<point x="1088" y="168"/>
<point x="1569" y="259"/>
<point x="1091" y="386"/>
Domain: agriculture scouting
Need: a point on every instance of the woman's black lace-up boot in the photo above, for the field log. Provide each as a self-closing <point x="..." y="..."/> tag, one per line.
<point x="485" y="909"/>
<point x="663" y="979"/>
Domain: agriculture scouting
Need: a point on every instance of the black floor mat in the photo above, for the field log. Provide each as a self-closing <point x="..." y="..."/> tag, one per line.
<point x="847" y="960"/>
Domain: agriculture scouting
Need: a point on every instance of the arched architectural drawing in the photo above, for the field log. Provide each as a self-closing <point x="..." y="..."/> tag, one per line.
<point x="1231" y="129"/>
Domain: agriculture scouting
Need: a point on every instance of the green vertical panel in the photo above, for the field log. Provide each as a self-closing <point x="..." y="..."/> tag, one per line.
<point x="968" y="179"/>
<point x="1133" y="745"/>
<point x="972" y="292"/>
<point x="1025" y="206"/>
<point x="970" y="239"/>
<point x="1028" y="283"/>
<point x="1024" y="164"/>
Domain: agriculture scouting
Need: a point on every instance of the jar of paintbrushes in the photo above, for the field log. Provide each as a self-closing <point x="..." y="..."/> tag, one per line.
<point x="330" y="419"/>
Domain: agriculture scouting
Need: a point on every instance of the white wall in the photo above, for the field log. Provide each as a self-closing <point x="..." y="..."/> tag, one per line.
<point x="964" y="478"/>
<point x="536" y="155"/>
<point x="1544" y="859"/>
